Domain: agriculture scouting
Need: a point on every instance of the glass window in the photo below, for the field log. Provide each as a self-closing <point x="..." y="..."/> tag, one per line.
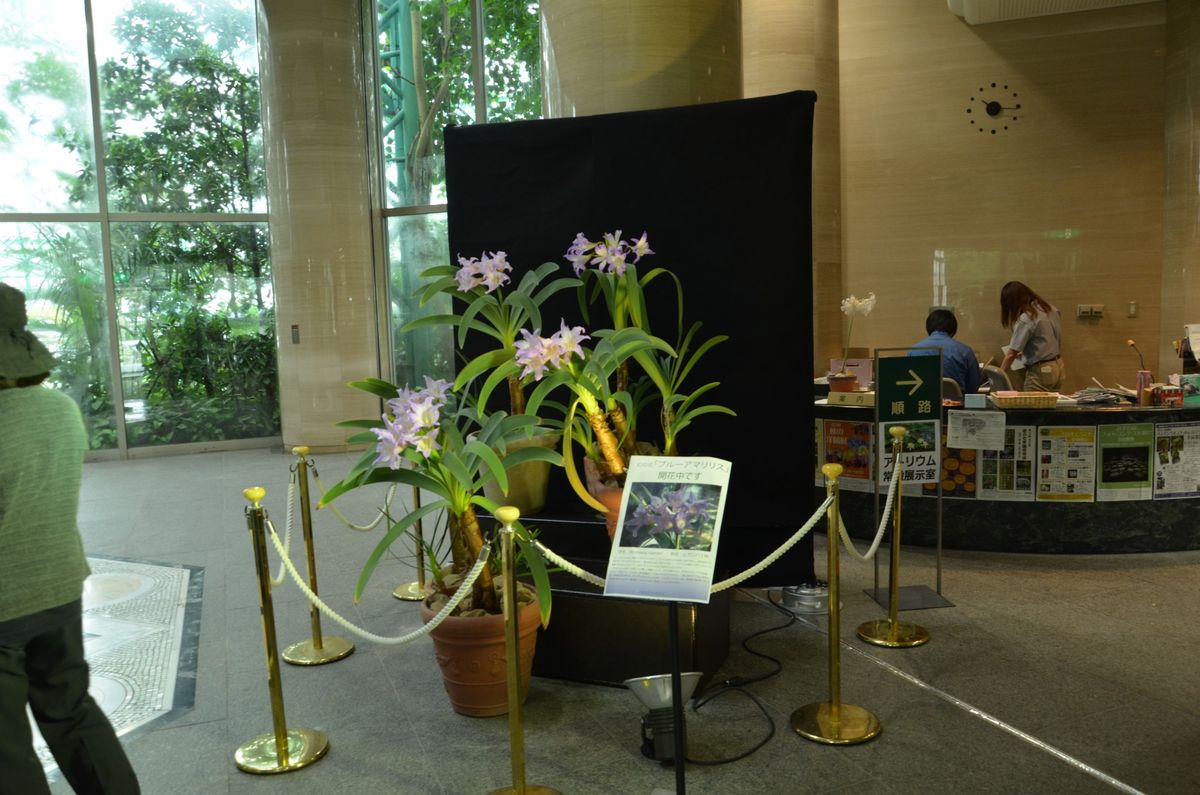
<point x="426" y="57"/>
<point x="415" y="243"/>
<point x="197" y="332"/>
<point x="46" y="146"/>
<point x="179" y="99"/>
<point x="58" y="267"/>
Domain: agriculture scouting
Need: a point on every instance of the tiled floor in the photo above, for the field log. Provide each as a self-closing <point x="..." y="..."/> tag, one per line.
<point x="1051" y="674"/>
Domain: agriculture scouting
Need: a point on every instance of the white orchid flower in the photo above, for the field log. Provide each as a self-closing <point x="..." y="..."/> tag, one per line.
<point x="858" y="306"/>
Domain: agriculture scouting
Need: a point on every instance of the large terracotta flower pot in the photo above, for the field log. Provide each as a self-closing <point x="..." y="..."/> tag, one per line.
<point x="527" y="481"/>
<point x="470" y="651"/>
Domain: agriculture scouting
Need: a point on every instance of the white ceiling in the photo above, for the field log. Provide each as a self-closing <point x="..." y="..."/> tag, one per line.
<point x="980" y="12"/>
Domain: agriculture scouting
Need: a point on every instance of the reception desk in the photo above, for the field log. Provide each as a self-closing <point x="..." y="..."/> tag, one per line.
<point x="1070" y="480"/>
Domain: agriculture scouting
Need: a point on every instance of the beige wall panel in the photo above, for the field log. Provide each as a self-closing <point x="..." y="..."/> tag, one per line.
<point x="1068" y="199"/>
<point x="316" y="144"/>
<point x="601" y="56"/>
<point x="1181" y="239"/>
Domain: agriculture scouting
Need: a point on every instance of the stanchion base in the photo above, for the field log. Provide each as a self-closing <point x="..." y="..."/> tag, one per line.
<point x="902" y="636"/>
<point x="411" y="592"/>
<point x="855" y="724"/>
<point x="305" y="653"/>
<point x="258" y="756"/>
<point x="531" y="789"/>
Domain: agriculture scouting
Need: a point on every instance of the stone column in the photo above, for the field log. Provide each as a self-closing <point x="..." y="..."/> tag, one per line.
<point x="789" y="45"/>
<point x="316" y="137"/>
<point x="602" y="56"/>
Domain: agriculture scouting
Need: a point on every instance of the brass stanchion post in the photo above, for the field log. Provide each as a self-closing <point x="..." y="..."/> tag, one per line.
<point x="418" y="590"/>
<point x="512" y="632"/>
<point x="833" y="722"/>
<point x="891" y="631"/>
<point x="318" y="650"/>
<point x="283" y="749"/>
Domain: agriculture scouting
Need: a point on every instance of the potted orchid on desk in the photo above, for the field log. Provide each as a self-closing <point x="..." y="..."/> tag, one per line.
<point x="843" y="381"/>
<point x="428" y="438"/>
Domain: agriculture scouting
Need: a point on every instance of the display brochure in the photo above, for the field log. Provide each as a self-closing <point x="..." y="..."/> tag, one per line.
<point x="978" y="430"/>
<point x="919" y="455"/>
<point x="1176" y="460"/>
<point x="848" y="444"/>
<point x="959" y="472"/>
<point x="1124" y="462"/>
<point x="1066" y="463"/>
<point x="1007" y="474"/>
<point x="665" y="546"/>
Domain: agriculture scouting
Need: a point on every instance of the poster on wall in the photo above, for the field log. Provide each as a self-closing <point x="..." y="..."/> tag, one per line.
<point x="1124" y="472"/>
<point x="849" y="444"/>
<point x="1007" y="474"/>
<point x="1176" y="460"/>
<point x="960" y="472"/>
<point x="665" y="546"/>
<point x="1066" y="468"/>
<point x="919" y="455"/>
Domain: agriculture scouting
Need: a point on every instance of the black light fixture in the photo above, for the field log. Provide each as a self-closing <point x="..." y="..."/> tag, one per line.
<point x="658" y="725"/>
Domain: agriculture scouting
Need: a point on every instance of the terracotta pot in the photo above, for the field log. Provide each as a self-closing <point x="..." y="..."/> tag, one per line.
<point x="842" y="382"/>
<point x="607" y="494"/>
<point x="470" y="651"/>
<point x="527" y="481"/>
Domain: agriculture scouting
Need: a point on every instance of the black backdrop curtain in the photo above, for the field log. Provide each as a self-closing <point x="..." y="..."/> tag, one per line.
<point x="724" y="192"/>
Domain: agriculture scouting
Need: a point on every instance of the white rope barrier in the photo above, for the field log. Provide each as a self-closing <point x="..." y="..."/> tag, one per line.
<point x="463" y="589"/>
<point x="774" y="556"/>
<point x="893" y="487"/>
<point x="599" y="582"/>
<point x="278" y="579"/>
<point x="387" y="505"/>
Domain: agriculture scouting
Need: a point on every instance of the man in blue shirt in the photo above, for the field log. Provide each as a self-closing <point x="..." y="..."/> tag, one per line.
<point x="958" y="360"/>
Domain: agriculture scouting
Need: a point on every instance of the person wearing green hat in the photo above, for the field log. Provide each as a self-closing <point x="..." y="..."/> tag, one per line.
<point x="42" y="569"/>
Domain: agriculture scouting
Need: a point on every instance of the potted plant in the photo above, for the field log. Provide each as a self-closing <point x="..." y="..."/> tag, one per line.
<point x="486" y="308"/>
<point x="843" y="381"/>
<point x="608" y="270"/>
<point x="431" y="439"/>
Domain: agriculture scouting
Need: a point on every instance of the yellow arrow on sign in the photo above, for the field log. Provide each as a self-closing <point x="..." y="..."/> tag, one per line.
<point x="916" y="383"/>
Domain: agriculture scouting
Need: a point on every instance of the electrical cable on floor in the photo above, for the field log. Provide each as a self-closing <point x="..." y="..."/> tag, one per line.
<point x="737" y="683"/>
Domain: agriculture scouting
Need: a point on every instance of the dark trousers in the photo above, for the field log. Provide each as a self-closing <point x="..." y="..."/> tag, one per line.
<point x="48" y="672"/>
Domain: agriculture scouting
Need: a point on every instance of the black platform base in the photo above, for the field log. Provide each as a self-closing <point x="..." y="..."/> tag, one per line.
<point x="606" y="640"/>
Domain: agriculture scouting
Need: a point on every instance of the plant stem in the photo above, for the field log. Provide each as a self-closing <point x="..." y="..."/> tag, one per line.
<point x="846" y="348"/>
<point x="516" y="395"/>
<point x="607" y="442"/>
<point x="484" y="593"/>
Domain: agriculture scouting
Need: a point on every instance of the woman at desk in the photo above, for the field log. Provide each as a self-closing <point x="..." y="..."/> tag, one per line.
<point x="1036" y="337"/>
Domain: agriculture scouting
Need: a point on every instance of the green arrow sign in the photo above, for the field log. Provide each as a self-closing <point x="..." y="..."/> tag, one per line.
<point x="909" y="388"/>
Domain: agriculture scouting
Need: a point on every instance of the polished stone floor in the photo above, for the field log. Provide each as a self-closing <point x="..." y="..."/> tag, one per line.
<point x="1051" y="674"/>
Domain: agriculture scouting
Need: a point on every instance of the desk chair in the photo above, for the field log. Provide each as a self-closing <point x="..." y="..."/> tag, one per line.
<point x="951" y="390"/>
<point x="997" y="378"/>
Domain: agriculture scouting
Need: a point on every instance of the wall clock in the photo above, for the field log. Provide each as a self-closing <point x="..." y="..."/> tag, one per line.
<point x="993" y="108"/>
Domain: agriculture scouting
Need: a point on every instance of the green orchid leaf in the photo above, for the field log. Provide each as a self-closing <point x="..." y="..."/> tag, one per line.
<point x="482" y="363"/>
<point x="572" y="473"/>
<point x="532" y="561"/>
<point x="378" y="387"/>
<point x="462" y="474"/>
<point x="359" y="423"/>
<point x="366" y="437"/>
<point x="555" y="286"/>
<point x="706" y="346"/>
<point x="533" y="453"/>
<point x="394" y="532"/>
<point x="498" y="376"/>
<point x="490" y="460"/>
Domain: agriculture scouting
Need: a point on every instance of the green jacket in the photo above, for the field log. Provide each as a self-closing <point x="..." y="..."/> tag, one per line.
<point x="41" y="464"/>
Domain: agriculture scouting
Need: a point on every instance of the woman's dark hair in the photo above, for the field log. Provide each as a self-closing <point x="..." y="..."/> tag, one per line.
<point x="1016" y="298"/>
<point x="941" y="320"/>
<point x="30" y="380"/>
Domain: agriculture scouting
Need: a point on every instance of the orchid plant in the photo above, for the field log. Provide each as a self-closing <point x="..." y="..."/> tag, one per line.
<point x="487" y="308"/>
<point x="428" y="439"/>
<point x="610" y="264"/>
<point x="852" y="306"/>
